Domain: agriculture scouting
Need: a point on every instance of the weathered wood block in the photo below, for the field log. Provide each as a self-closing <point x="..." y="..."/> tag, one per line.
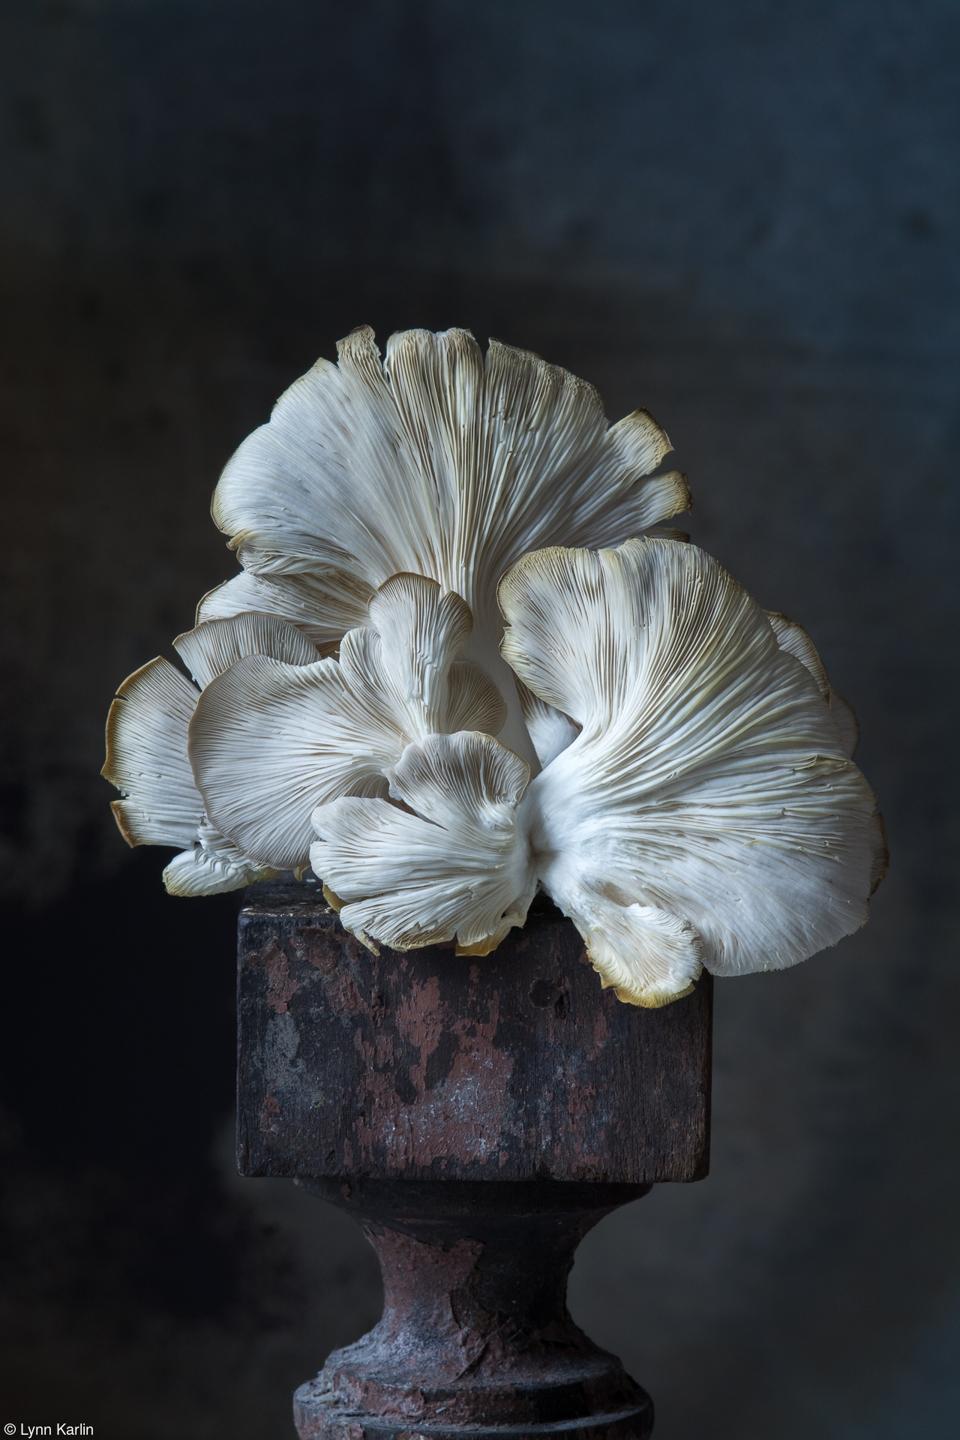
<point x="426" y="1065"/>
<point x="478" y="1116"/>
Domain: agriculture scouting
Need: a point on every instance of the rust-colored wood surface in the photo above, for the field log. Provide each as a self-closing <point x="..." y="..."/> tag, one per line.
<point x="424" y="1065"/>
<point x="475" y="1341"/>
<point x="477" y="1116"/>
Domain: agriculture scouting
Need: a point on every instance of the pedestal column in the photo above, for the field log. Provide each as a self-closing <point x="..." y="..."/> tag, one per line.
<point x="477" y="1116"/>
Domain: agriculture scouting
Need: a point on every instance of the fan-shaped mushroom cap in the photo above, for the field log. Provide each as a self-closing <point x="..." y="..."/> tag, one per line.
<point x="442" y="461"/>
<point x="708" y="781"/>
<point x="646" y="956"/>
<point x="147" y="757"/>
<point x="419" y="629"/>
<point x="454" y="865"/>
<point x="795" y="640"/>
<point x="697" y="806"/>
<point x="147" y="728"/>
<point x="271" y="741"/>
<point x="210" y="649"/>
<point x="214" y="865"/>
<point x="324" y="604"/>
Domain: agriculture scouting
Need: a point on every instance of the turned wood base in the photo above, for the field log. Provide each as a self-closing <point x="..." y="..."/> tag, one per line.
<point x="475" y="1337"/>
<point x="477" y="1116"/>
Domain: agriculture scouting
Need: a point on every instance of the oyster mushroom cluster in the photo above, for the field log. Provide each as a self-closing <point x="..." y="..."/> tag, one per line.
<point x="460" y="664"/>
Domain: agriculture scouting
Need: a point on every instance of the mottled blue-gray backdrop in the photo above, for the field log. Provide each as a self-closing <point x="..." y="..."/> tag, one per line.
<point x="743" y="216"/>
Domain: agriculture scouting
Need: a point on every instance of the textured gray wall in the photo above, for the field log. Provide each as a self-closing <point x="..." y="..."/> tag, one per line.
<point x="741" y="216"/>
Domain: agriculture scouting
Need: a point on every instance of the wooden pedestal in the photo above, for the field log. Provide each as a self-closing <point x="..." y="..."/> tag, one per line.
<point x="477" y="1115"/>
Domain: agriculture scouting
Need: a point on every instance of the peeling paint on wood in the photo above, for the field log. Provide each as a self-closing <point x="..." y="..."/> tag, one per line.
<point x="475" y="1340"/>
<point x="423" y="1064"/>
<point x="476" y="1116"/>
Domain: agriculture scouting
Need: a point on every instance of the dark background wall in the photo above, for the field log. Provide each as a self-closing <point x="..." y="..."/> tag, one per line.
<point x="743" y="216"/>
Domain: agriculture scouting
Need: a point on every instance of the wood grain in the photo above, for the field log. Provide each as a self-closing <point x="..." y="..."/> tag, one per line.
<point x="426" y="1066"/>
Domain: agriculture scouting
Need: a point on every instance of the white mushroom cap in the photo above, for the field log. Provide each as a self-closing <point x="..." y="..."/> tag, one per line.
<point x="795" y="640"/>
<point x="442" y="461"/>
<point x="146" y="757"/>
<point x="708" y="782"/>
<point x="454" y="865"/>
<point x="272" y="741"/>
<point x="696" y="806"/>
<point x="211" y="648"/>
<point x="704" y="814"/>
<point x="647" y="956"/>
<point x="212" y="866"/>
<point x="146" y="741"/>
<point x="324" y="604"/>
